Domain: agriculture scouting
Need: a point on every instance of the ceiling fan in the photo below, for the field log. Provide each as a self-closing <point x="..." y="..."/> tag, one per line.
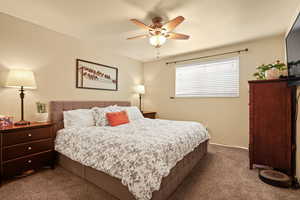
<point x="158" y="32"/>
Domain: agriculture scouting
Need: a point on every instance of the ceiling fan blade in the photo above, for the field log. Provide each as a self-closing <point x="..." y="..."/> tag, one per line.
<point x="178" y="36"/>
<point x="138" y="37"/>
<point x="171" y="25"/>
<point x="141" y="24"/>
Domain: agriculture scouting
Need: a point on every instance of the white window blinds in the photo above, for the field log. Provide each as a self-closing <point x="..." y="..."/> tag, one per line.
<point x="219" y="78"/>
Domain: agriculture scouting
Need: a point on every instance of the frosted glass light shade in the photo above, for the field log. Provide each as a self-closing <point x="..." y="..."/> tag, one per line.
<point x="157" y="40"/>
<point x="140" y="89"/>
<point x="18" y="78"/>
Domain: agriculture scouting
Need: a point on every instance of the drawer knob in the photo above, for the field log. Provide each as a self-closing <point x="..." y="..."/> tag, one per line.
<point x="29" y="134"/>
<point x="29" y="148"/>
<point x="29" y="161"/>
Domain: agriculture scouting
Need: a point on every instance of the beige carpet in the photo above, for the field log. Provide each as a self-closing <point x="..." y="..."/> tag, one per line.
<point x="223" y="174"/>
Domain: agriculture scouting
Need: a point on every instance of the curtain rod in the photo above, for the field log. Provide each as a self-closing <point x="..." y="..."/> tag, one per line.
<point x="220" y="54"/>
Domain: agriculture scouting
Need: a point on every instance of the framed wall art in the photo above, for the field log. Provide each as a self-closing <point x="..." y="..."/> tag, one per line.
<point x="90" y="75"/>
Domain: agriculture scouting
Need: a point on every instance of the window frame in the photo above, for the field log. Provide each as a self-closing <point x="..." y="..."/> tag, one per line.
<point x="237" y="58"/>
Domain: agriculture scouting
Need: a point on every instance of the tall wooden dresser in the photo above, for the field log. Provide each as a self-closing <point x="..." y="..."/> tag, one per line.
<point x="272" y="125"/>
<point x="25" y="148"/>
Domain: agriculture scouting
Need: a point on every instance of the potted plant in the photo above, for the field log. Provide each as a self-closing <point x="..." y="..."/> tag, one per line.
<point x="41" y="115"/>
<point x="271" y="71"/>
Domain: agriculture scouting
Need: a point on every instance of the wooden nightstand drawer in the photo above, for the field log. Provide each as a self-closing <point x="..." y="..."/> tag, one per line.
<point x="150" y="115"/>
<point x="19" y="166"/>
<point x="21" y="150"/>
<point x="27" y="135"/>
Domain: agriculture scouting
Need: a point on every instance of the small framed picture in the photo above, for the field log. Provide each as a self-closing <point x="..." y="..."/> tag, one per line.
<point x="90" y="75"/>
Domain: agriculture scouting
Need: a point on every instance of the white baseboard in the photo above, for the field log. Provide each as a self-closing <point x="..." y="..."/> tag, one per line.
<point x="223" y="145"/>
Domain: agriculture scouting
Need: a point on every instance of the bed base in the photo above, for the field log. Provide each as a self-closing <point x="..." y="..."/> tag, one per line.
<point x="114" y="186"/>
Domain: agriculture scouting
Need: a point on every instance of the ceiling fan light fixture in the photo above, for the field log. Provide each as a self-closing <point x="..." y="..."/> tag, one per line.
<point x="159" y="32"/>
<point x="157" y="40"/>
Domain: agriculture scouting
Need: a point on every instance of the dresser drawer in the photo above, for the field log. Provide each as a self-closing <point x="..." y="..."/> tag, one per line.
<point x="21" y="150"/>
<point x="19" y="166"/>
<point x="22" y="136"/>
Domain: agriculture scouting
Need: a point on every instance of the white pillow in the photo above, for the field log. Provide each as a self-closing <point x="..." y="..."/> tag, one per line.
<point x="99" y="114"/>
<point x="133" y="112"/>
<point x="78" y="118"/>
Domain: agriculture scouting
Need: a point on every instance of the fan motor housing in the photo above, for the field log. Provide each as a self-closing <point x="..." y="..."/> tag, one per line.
<point x="157" y="20"/>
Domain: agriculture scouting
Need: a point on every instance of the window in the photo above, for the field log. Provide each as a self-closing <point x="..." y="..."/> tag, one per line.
<point x="219" y="78"/>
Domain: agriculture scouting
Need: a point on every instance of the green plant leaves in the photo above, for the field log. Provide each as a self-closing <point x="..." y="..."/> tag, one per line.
<point x="260" y="74"/>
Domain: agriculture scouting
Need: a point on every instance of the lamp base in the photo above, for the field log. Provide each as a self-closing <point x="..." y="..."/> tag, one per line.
<point x="22" y="123"/>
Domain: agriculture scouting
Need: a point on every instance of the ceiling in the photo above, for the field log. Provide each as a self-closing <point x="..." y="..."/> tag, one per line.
<point x="210" y="23"/>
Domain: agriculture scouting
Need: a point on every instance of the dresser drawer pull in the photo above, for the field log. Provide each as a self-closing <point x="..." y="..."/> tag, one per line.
<point x="29" y="148"/>
<point x="29" y="161"/>
<point x="29" y="134"/>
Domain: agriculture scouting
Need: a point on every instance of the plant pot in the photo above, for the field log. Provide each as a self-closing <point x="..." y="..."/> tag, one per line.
<point x="272" y="74"/>
<point x="41" y="117"/>
<point x="284" y="73"/>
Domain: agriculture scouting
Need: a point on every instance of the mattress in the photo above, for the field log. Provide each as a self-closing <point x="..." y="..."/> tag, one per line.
<point x="139" y="154"/>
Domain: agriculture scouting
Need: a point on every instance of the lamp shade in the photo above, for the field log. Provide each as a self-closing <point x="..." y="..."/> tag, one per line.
<point x="18" y="78"/>
<point x="140" y="89"/>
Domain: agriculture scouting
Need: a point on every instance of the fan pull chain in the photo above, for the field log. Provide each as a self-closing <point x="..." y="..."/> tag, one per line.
<point x="157" y="53"/>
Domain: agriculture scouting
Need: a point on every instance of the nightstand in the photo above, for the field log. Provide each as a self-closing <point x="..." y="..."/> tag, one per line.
<point x="148" y="114"/>
<point x="25" y="149"/>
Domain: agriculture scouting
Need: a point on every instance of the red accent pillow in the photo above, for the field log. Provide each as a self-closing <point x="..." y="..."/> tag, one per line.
<point x="117" y="118"/>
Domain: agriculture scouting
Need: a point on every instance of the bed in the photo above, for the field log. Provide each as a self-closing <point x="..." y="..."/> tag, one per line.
<point x="113" y="184"/>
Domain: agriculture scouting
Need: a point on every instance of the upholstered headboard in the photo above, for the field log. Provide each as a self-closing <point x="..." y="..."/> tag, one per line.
<point x="57" y="107"/>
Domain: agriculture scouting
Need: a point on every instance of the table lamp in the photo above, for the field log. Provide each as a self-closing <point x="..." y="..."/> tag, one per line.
<point x="22" y="79"/>
<point x="140" y="89"/>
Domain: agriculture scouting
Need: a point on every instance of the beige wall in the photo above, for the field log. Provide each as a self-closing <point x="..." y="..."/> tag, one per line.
<point x="51" y="56"/>
<point x="226" y="118"/>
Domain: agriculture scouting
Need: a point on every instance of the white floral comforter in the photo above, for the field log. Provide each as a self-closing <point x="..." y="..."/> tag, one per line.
<point x="140" y="153"/>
